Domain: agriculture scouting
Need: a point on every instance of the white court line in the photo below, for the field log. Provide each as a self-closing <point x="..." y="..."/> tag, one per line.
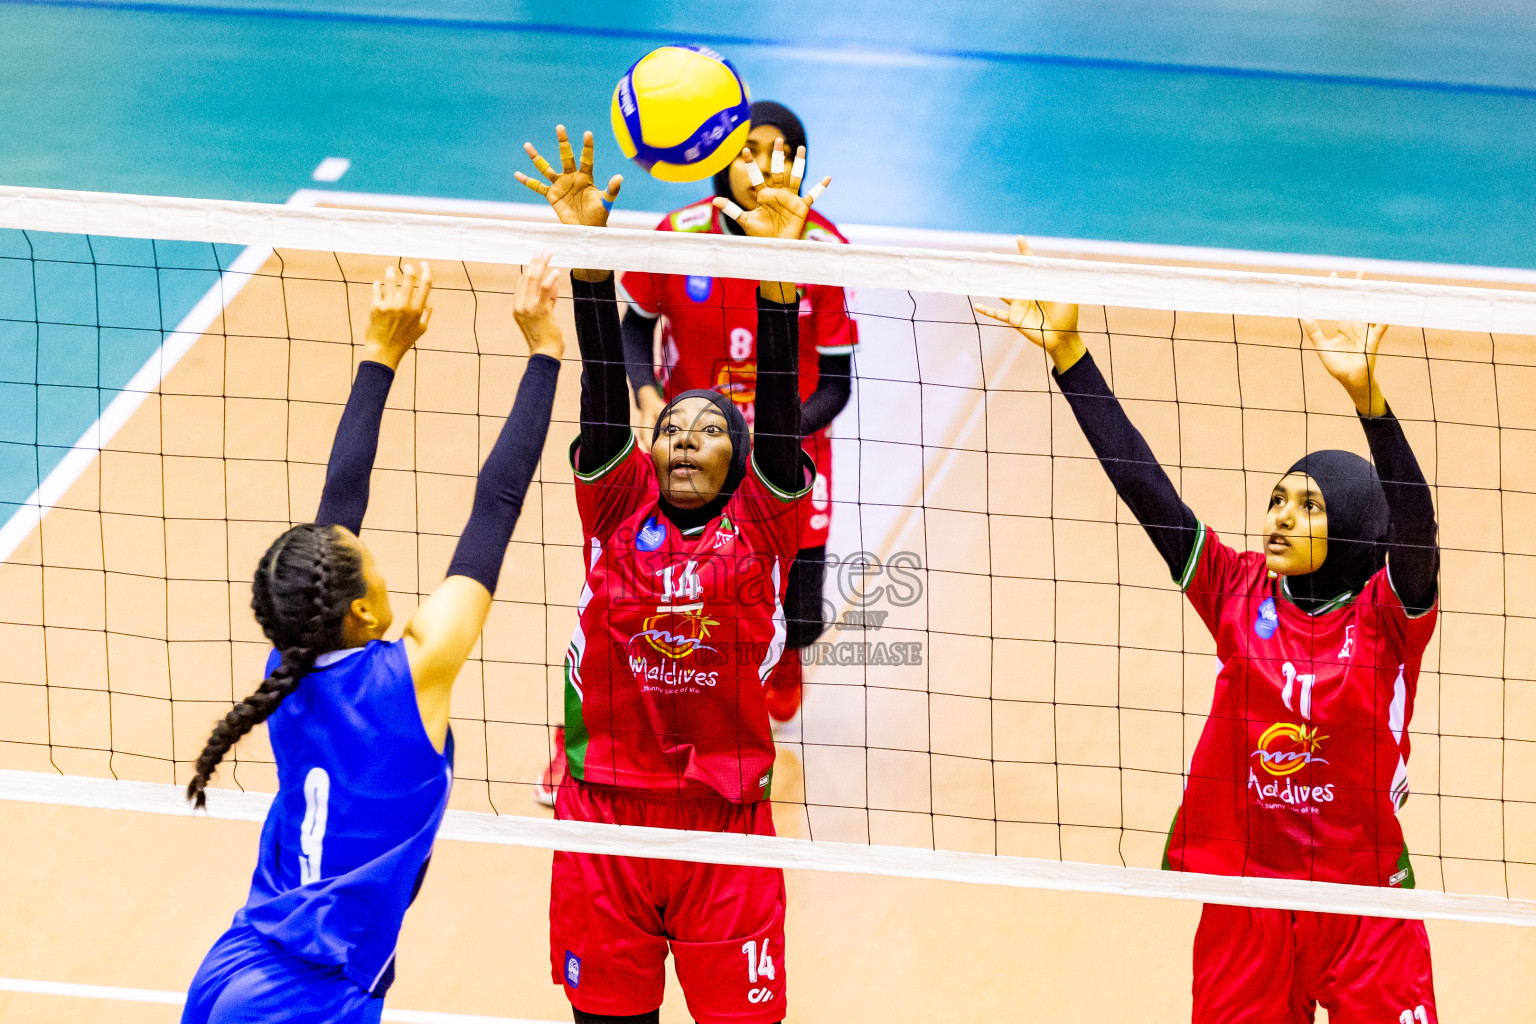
<point x="150" y="995"/>
<point x="117" y="413"/>
<point x="492" y="240"/>
<point x="804" y="854"/>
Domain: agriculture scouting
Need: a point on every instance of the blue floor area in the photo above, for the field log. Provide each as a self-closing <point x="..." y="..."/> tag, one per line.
<point x="78" y="317"/>
<point x="1348" y="127"/>
<point x="1352" y="128"/>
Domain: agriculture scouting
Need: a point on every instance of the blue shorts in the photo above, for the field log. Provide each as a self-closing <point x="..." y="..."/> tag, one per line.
<point x="246" y="980"/>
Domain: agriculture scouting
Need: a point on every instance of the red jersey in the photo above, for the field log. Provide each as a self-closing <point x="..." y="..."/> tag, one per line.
<point x="709" y="337"/>
<point x="676" y="634"/>
<point x="1303" y="762"/>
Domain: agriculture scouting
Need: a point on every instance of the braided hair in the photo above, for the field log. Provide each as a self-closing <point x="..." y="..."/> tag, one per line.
<point x="304" y="586"/>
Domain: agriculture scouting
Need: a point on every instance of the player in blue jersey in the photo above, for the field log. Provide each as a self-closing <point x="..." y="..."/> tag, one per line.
<point x="359" y="726"/>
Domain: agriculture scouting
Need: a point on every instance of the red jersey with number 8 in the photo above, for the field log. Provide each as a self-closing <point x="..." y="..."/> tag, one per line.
<point x="1303" y="763"/>
<point x="677" y="632"/>
<point x="709" y="337"/>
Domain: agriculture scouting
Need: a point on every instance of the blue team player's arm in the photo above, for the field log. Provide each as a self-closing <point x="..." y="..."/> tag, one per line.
<point x="447" y="624"/>
<point x="397" y="319"/>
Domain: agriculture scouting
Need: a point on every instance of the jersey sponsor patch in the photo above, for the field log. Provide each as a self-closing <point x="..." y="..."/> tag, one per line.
<point x="652" y="535"/>
<point x="572" y="969"/>
<point x="698" y="287"/>
<point x="1268" y="619"/>
<point x="1286" y="748"/>
<point x="693" y="218"/>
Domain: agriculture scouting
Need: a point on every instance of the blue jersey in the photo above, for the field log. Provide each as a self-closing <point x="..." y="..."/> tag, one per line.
<point x="361" y="793"/>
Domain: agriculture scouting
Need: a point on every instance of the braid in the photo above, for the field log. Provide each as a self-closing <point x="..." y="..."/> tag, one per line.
<point x="301" y="592"/>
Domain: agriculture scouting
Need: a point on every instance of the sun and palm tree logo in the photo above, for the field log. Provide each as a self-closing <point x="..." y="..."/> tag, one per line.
<point x="677" y="633"/>
<point x="1285" y="748"/>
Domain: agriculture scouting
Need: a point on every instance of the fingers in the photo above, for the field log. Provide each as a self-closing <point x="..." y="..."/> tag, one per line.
<point x="426" y="317"/>
<point x="754" y="173"/>
<point x="729" y="208"/>
<point x="538" y="265"/>
<point x="1024" y="249"/>
<point x="817" y="189"/>
<point x="567" y="158"/>
<point x="537" y="279"/>
<point x="1377" y="332"/>
<point x="993" y="312"/>
<point x="611" y="193"/>
<point x="586" y="154"/>
<point x="538" y="186"/>
<point x="776" y="164"/>
<point x="798" y="170"/>
<point x="423" y="286"/>
<point x="1314" y="332"/>
<point x="539" y="161"/>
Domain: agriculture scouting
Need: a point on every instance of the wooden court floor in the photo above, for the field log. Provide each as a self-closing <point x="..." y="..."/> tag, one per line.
<point x="1061" y="687"/>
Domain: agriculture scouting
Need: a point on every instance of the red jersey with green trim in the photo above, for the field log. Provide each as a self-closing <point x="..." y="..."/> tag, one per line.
<point x="676" y="634"/>
<point x="709" y="324"/>
<point x="1303" y="763"/>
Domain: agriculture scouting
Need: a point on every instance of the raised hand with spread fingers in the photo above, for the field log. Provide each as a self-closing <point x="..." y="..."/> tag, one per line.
<point x="572" y="192"/>
<point x="1051" y="325"/>
<point x="781" y="209"/>
<point x="1349" y="356"/>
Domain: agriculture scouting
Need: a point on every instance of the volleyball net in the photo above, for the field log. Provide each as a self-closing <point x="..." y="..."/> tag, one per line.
<point x="1010" y="688"/>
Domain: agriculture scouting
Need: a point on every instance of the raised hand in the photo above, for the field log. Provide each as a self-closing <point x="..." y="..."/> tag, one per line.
<point x="1051" y="325"/>
<point x="533" y="307"/>
<point x="1349" y="356"/>
<point x="780" y="210"/>
<point x="571" y="191"/>
<point x="399" y="314"/>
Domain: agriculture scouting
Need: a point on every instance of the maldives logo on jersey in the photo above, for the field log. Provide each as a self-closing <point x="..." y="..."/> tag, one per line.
<point x="738" y="382"/>
<point x="1286" y="748"/>
<point x="676" y="634"/>
<point x="1268" y="620"/>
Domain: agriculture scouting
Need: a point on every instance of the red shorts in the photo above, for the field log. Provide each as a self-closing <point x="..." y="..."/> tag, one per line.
<point x="612" y="919"/>
<point x="816" y="509"/>
<point x="1257" y="966"/>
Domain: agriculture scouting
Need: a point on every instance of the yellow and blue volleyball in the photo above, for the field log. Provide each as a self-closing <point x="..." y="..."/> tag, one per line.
<point x="682" y="113"/>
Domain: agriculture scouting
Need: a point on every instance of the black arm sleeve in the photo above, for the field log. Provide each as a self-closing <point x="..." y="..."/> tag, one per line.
<point x="639" y="333"/>
<point x="344" y="500"/>
<point x="504" y="478"/>
<point x="1413" y="556"/>
<point x="604" y="396"/>
<point x="834" y="384"/>
<point x="1138" y="478"/>
<point x="776" y="434"/>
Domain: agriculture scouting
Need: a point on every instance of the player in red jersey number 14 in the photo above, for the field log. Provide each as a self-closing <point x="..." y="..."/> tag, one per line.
<point x="687" y="547"/>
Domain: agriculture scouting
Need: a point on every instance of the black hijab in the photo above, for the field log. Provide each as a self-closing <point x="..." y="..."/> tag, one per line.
<point x="782" y="118"/>
<point x="741" y="449"/>
<point x="1357" y="527"/>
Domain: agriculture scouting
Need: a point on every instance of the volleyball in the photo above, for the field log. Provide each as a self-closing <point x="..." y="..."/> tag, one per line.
<point x="681" y="112"/>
